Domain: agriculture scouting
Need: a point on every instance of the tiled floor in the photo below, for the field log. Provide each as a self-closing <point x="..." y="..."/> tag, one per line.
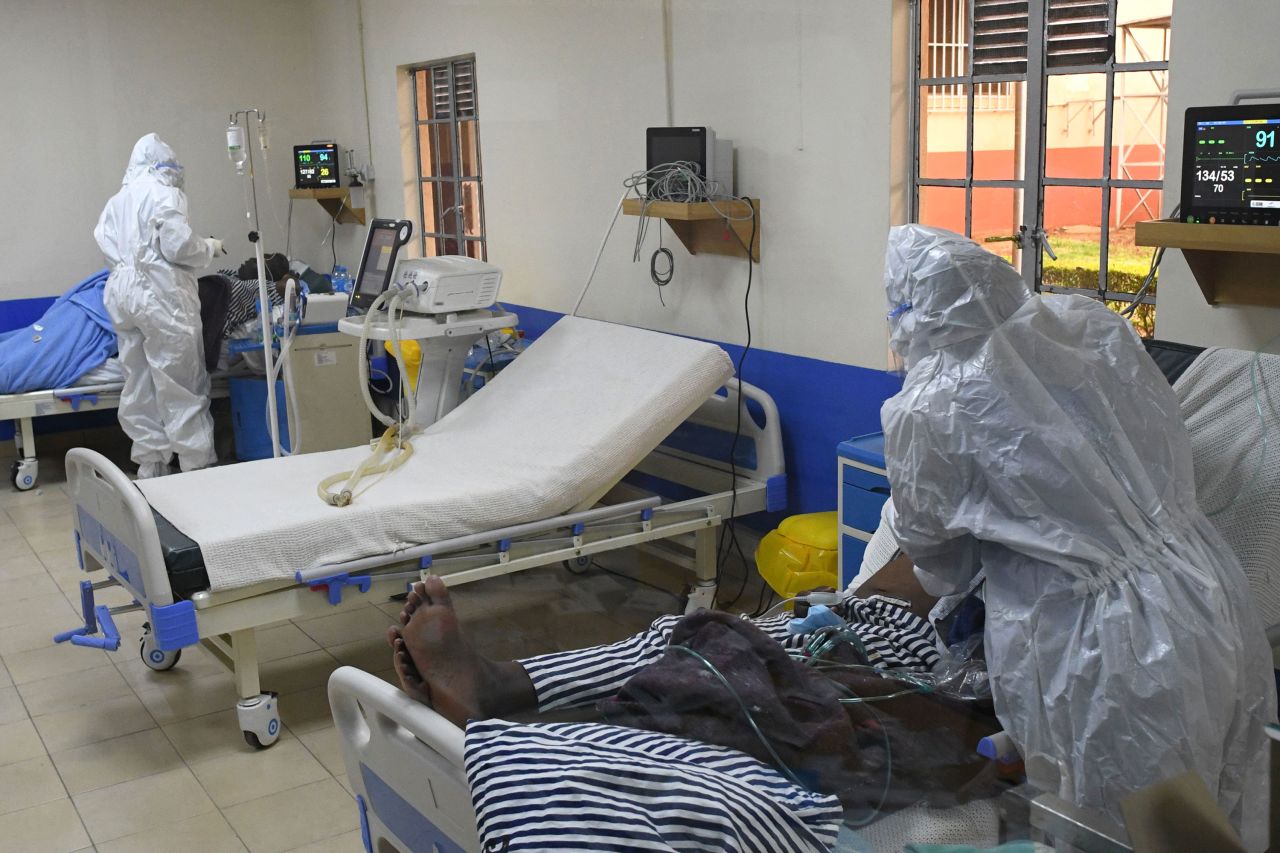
<point x="99" y="752"/>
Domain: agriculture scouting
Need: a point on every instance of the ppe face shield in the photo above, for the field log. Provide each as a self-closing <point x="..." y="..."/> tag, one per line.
<point x="897" y="318"/>
<point x="171" y="173"/>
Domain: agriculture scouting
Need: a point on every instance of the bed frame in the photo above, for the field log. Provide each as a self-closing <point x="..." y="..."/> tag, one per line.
<point x="24" y="408"/>
<point x="118" y="544"/>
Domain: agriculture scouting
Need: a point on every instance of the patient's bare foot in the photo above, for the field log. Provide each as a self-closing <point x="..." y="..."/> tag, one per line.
<point x="445" y="671"/>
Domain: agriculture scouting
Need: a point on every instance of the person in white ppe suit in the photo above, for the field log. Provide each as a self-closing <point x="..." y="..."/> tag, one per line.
<point x="153" y="302"/>
<point x="1034" y="440"/>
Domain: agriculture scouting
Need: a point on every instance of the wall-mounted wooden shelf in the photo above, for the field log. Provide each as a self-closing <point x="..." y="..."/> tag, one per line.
<point x="336" y="201"/>
<point x="1233" y="264"/>
<point x="703" y="226"/>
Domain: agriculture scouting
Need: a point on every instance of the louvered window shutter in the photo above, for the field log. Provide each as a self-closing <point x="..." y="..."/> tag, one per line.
<point x="999" y="37"/>
<point x="1079" y="33"/>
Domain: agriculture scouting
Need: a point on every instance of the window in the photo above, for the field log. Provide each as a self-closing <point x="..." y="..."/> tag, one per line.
<point x="450" y="188"/>
<point x="1056" y="139"/>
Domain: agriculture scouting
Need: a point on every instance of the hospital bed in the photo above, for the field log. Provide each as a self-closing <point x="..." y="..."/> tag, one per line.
<point x="524" y="451"/>
<point x="99" y="390"/>
<point x="405" y="761"/>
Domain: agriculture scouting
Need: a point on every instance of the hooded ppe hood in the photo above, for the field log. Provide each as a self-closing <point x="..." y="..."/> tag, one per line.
<point x="153" y="157"/>
<point x="944" y="289"/>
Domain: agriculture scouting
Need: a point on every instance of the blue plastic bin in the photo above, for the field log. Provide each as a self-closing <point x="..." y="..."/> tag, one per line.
<point x="248" y="418"/>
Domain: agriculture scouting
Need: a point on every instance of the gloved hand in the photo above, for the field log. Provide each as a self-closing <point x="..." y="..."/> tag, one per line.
<point x="215" y="245"/>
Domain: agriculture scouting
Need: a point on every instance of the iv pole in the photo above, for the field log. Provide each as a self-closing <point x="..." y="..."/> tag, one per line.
<point x="236" y="133"/>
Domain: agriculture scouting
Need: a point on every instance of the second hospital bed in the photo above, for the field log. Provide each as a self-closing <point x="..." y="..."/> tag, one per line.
<point x="512" y="479"/>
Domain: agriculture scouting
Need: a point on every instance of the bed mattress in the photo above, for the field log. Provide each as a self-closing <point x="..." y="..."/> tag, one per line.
<point x="564" y="422"/>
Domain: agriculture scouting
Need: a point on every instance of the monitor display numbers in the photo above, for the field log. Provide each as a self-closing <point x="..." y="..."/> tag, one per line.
<point x="1236" y="170"/>
<point x="315" y="166"/>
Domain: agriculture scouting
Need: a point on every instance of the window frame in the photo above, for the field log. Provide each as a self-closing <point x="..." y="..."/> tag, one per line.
<point x="455" y="214"/>
<point x="1034" y="180"/>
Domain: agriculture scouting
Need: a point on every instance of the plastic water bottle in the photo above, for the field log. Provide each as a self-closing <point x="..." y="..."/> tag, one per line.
<point x="341" y="280"/>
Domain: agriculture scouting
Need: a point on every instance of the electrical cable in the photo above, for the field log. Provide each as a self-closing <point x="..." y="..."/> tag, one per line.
<point x="625" y="576"/>
<point x="730" y="529"/>
<point x="1156" y="257"/>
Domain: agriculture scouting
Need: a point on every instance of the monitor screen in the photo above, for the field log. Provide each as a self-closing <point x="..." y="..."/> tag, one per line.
<point x="386" y="236"/>
<point x="315" y="166"/>
<point x="1231" y="170"/>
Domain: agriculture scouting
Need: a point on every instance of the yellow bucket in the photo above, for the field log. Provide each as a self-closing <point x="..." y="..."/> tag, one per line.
<point x="802" y="553"/>
<point x="412" y="359"/>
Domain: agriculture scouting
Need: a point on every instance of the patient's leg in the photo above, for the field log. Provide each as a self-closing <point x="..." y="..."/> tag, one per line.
<point x="437" y="666"/>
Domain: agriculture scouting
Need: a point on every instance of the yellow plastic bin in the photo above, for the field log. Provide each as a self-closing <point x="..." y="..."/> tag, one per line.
<point x="802" y="553"/>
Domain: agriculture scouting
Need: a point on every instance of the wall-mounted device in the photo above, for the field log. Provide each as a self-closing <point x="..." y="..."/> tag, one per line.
<point x="447" y="284"/>
<point x="381" y="245"/>
<point x="712" y="157"/>
<point x="1231" y="165"/>
<point x="315" y="166"/>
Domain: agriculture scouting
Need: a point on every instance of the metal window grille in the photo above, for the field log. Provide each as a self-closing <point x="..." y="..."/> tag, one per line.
<point x="447" y="140"/>
<point x="966" y="47"/>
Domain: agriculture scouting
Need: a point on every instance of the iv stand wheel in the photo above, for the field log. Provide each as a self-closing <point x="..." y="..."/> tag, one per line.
<point x="24" y="473"/>
<point x="155" y="657"/>
<point x="259" y="719"/>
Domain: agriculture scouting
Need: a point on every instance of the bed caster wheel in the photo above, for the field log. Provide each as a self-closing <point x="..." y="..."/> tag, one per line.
<point x="24" y="474"/>
<point x="700" y="597"/>
<point x="259" y="720"/>
<point x="155" y="657"/>
<point x="578" y="565"/>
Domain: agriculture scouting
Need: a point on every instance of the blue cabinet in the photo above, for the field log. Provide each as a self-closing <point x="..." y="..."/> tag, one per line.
<point x="864" y="487"/>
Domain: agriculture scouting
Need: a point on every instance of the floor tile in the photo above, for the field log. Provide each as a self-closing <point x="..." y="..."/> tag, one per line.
<point x="295" y="817"/>
<point x="205" y="833"/>
<point x="306" y="710"/>
<point x="60" y="560"/>
<point x="210" y="736"/>
<point x="54" y="609"/>
<point x="29" y="783"/>
<point x="325" y="745"/>
<point x="52" y="695"/>
<point x="369" y="654"/>
<point x="298" y="672"/>
<point x="132" y="807"/>
<point x="30" y="635"/>
<point x="50" y="828"/>
<point x="22" y="564"/>
<point x="5" y="680"/>
<point x="51" y="660"/>
<point x="28" y="586"/>
<point x="283" y="641"/>
<point x="19" y="741"/>
<point x="174" y="700"/>
<point x="50" y="541"/>
<point x="11" y="708"/>
<point x="348" y="842"/>
<point x="238" y="777"/>
<point x="347" y="627"/>
<point x="121" y="759"/>
<point x="9" y="531"/>
<point x="100" y="721"/>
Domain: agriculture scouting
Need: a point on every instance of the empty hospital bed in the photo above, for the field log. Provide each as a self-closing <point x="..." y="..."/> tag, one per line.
<point x="512" y="479"/>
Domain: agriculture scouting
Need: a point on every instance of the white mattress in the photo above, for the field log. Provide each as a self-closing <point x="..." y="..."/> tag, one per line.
<point x="581" y="407"/>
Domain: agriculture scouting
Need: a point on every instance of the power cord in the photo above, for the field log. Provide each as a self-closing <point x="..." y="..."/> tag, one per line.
<point x="1156" y="257"/>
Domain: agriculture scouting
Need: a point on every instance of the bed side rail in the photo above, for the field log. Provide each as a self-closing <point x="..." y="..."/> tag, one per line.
<point x="114" y="525"/>
<point x="405" y="763"/>
<point x="696" y="455"/>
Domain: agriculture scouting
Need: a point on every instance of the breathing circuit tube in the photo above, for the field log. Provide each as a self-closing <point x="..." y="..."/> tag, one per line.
<point x="396" y="436"/>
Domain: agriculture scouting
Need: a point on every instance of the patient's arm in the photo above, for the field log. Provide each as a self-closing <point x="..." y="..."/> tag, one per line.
<point x="897" y="579"/>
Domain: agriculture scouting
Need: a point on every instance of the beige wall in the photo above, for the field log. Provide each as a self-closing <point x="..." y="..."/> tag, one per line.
<point x="1244" y="42"/>
<point x="83" y="79"/>
<point x="566" y="89"/>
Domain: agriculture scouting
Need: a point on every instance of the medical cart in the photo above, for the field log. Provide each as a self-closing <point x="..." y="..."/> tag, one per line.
<point x="863" y="489"/>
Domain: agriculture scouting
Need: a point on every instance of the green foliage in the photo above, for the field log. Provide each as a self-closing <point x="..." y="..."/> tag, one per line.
<point x="1077" y="266"/>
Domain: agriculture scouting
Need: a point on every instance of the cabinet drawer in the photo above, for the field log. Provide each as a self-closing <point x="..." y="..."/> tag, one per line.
<point x="851" y="551"/>
<point x="864" y="479"/>
<point x="861" y="507"/>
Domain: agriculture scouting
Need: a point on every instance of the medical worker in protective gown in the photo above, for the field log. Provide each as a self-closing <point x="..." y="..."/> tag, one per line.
<point x="154" y="305"/>
<point x="1034" y="440"/>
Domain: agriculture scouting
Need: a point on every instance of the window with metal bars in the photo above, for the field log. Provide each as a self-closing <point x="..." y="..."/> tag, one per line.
<point x="450" y="181"/>
<point x="1055" y="139"/>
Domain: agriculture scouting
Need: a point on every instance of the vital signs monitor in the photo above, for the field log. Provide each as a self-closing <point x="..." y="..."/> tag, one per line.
<point x="1231" y="165"/>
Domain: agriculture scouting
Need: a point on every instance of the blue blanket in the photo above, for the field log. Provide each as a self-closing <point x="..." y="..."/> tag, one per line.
<point x="71" y="338"/>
